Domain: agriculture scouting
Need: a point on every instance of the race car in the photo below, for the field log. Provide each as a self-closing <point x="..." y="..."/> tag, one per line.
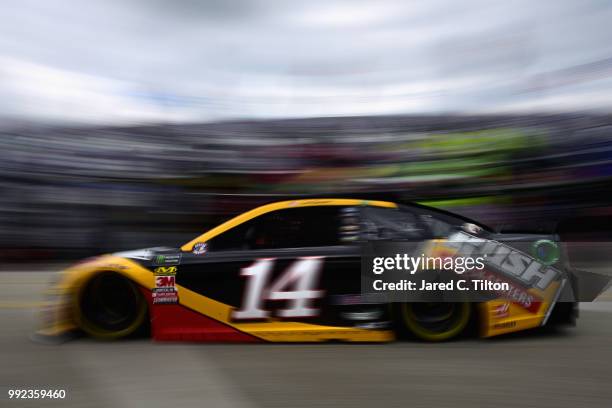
<point x="290" y="271"/>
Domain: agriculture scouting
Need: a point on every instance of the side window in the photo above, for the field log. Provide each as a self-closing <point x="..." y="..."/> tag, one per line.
<point x="439" y="223"/>
<point x="298" y="228"/>
<point x="235" y="239"/>
<point x="289" y="228"/>
<point x="392" y="224"/>
<point x="438" y="227"/>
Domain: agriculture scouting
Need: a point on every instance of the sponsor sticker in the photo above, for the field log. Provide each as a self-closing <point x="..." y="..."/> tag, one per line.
<point x="162" y="296"/>
<point x="508" y="260"/>
<point x="165" y="291"/>
<point x="165" y="270"/>
<point x="505" y="325"/>
<point x="165" y="281"/>
<point x="200" y="248"/>
<point x="546" y="251"/>
<point x="170" y="259"/>
<point x="502" y="310"/>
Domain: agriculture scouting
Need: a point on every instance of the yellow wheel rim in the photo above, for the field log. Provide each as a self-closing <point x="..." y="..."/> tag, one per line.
<point x="411" y="321"/>
<point x="98" y="332"/>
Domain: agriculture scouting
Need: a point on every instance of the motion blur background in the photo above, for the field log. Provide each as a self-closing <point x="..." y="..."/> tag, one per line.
<point x="142" y="123"/>
<point x="134" y="123"/>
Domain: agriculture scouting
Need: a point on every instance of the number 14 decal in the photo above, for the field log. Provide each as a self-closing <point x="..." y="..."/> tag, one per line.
<point x="302" y="276"/>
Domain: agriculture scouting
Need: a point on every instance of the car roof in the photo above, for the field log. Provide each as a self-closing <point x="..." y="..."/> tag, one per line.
<point x="381" y="199"/>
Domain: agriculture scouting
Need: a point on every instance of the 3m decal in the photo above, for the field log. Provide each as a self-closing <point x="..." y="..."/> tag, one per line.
<point x="165" y="281"/>
<point x="165" y="291"/>
<point x="302" y="276"/>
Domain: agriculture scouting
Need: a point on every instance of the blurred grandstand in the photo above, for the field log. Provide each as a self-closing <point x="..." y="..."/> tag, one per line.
<point x="74" y="191"/>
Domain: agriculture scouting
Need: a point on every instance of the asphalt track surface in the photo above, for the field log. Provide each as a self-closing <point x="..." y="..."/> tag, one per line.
<point x="564" y="368"/>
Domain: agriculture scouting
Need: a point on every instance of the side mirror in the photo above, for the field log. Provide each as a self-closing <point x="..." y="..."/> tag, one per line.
<point x="471" y="228"/>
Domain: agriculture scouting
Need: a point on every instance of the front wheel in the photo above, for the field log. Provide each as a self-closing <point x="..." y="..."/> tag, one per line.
<point x="110" y="307"/>
<point x="432" y="321"/>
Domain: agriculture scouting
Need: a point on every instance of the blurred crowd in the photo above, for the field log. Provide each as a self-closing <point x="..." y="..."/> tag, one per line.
<point x="76" y="191"/>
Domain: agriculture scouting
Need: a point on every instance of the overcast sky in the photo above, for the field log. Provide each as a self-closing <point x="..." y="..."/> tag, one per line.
<point x="122" y="61"/>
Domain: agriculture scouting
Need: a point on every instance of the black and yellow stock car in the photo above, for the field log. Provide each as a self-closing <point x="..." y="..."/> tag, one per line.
<point x="288" y="271"/>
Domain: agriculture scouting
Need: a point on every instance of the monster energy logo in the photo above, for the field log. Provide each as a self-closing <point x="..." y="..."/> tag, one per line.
<point x="173" y="259"/>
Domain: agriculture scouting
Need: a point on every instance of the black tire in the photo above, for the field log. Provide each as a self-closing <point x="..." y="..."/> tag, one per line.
<point x="110" y="306"/>
<point x="432" y="321"/>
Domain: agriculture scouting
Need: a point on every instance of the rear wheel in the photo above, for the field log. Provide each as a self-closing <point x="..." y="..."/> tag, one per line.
<point x="433" y="321"/>
<point x="111" y="307"/>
